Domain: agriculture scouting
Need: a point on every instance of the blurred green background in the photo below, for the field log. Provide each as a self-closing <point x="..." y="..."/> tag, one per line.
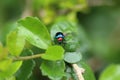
<point x="98" y="20"/>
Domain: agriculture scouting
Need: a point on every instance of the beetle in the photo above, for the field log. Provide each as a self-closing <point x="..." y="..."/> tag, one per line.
<point x="59" y="38"/>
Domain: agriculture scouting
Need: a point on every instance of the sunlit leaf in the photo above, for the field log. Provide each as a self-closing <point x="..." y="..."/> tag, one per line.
<point x="13" y="67"/>
<point x="112" y="72"/>
<point x="1" y="48"/>
<point x="3" y="52"/>
<point x="15" y="42"/>
<point x="54" y="53"/>
<point x="35" y="32"/>
<point x="4" y="64"/>
<point x="10" y="78"/>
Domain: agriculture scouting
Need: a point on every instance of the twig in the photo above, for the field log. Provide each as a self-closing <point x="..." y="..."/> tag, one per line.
<point x="27" y="57"/>
<point x="78" y="71"/>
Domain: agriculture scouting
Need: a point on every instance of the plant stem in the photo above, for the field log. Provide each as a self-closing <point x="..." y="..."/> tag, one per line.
<point x="27" y="57"/>
<point x="78" y="71"/>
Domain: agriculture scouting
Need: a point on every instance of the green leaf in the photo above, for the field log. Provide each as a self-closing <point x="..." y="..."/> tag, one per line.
<point x="54" y="53"/>
<point x="13" y="67"/>
<point x="4" y="64"/>
<point x="112" y="72"/>
<point x="36" y="33"/>
<point x="72" y="57"/>
<point x="88" y="74"/>
<point x="3" y="52"/>
<point x="53" y="69"/>
<point x="70" y="30"/>
<point x="1" y="48"/>
<point x="65" y="27"/>
<point x="11" y="78"/>
<point x="15" y="42"/>
<point x="72" y="43"/>
<point x="25" y="70"/>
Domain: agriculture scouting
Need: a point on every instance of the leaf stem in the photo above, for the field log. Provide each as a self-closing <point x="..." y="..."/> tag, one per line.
<point x="78" y="71"/>
<point x="27" y="57"/>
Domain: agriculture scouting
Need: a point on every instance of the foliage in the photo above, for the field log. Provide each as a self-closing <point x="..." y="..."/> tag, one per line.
<point x="57" y="54"/>
<point x="53" y="69"/>
<point x="113" y="69"/>
<point x="91" y="32"/>
<point x="72" y="57"/>
<point x="86" y="75"/>
<point x="31" y="30"/>
<point x="25" y="70"/>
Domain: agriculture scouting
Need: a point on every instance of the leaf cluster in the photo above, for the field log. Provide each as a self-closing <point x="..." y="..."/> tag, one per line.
<point x="56" y="59"/>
